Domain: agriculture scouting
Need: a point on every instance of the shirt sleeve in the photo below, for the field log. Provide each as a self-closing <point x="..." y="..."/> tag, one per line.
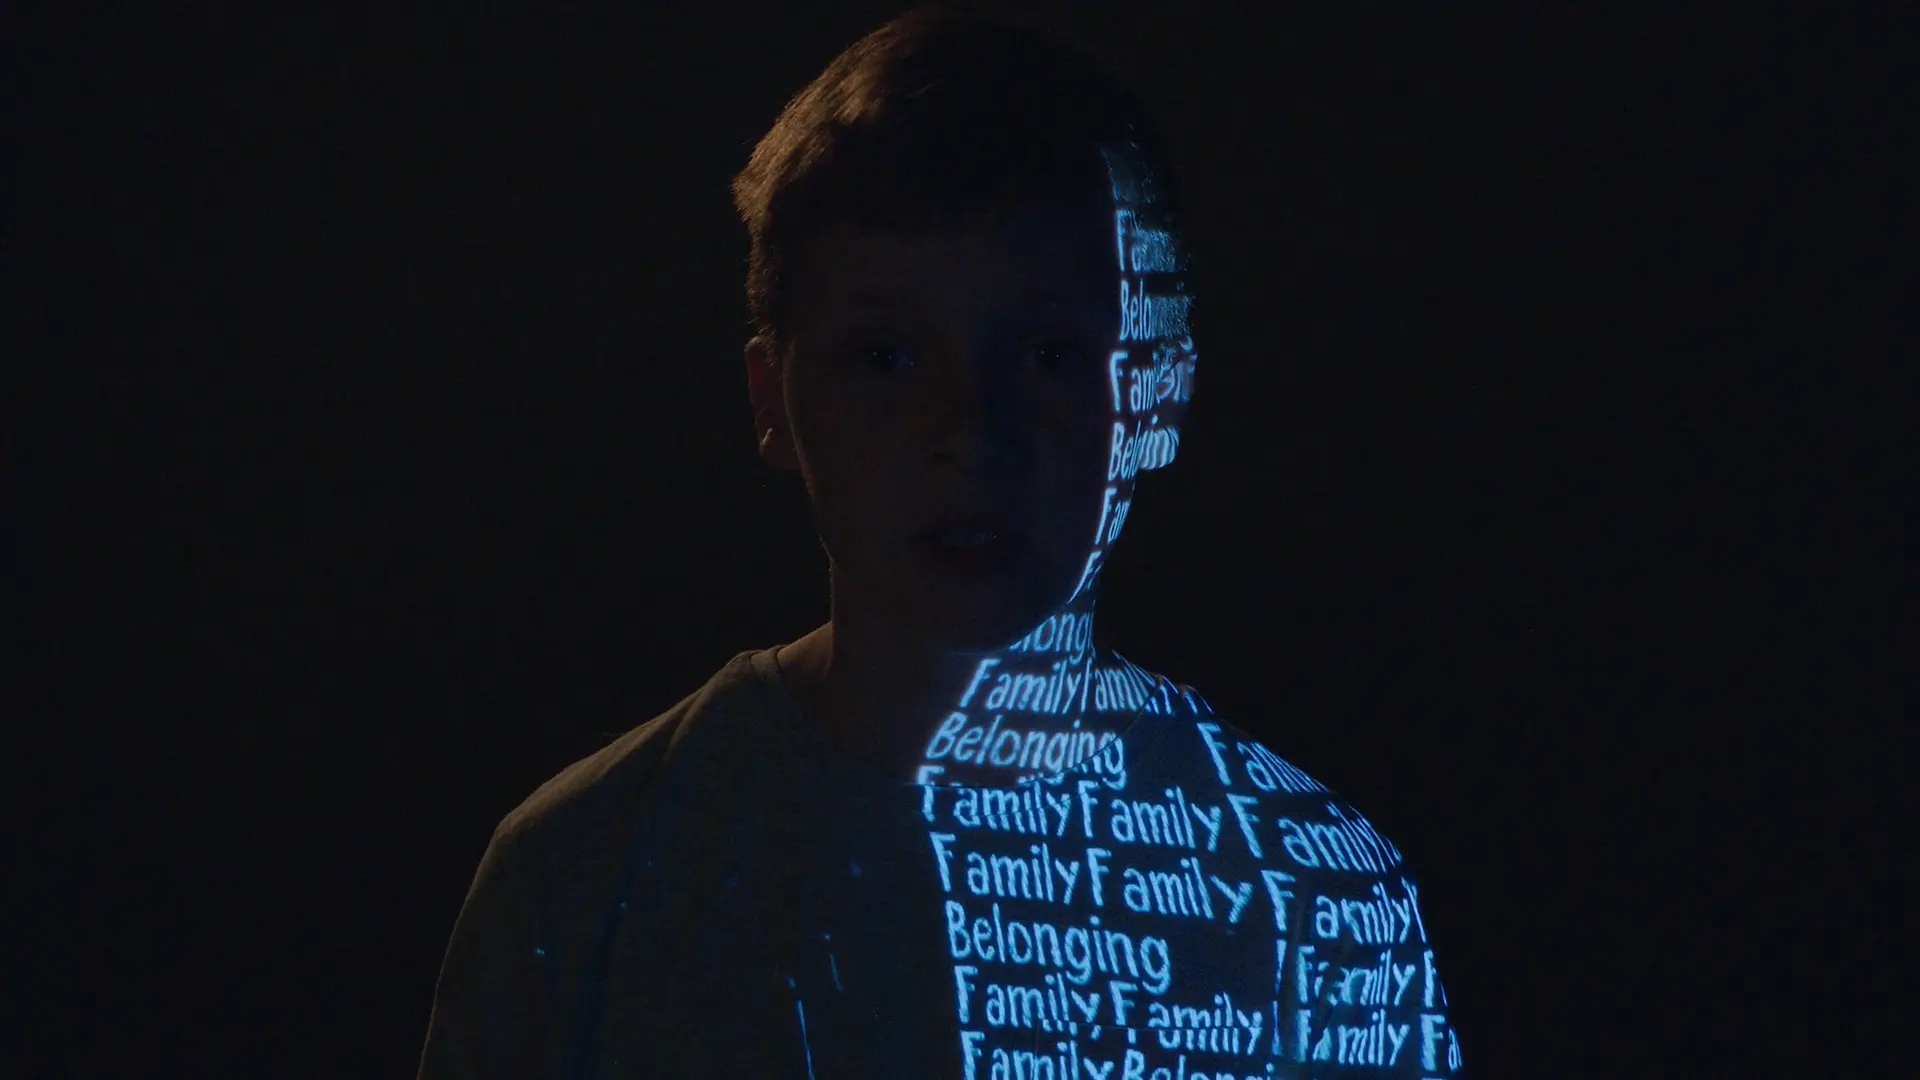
<point x="1392" y="1008"/>
<point x="488" y="1006"/>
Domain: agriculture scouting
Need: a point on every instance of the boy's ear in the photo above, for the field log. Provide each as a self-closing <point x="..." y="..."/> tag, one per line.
<point x="766" y="391"/>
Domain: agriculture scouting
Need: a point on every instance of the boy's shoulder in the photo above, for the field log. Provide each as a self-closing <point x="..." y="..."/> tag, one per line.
<point x="1246" y="767"/>
<point x="1236" y="756"/>
<point x="609" y="786"/>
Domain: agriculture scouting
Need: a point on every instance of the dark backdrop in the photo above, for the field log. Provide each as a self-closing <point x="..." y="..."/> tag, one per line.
<point x="396" y="454"/>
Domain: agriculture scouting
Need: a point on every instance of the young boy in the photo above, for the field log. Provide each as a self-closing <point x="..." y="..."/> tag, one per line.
<point x="945" y="834"/>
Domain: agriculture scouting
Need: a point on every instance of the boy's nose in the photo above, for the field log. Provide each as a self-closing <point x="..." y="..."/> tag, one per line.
<point x="975" y="426"/>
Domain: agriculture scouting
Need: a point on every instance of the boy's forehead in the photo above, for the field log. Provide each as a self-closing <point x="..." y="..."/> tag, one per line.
<point x="1049" y="260"/>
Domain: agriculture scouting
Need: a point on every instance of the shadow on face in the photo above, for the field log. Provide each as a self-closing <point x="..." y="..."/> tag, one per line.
<point x="947" y="399"/>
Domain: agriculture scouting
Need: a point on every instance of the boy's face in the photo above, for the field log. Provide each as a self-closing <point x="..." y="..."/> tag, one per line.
<point x="947" y="399"/>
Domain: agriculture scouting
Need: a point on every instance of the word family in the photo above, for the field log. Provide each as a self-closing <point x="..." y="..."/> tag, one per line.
<point x="1217" y="1026"/>
<point x="1141" y="249"/>
<point x="1168" y="820"/>
<point x="1058" y="688"/>
<point x="1264" y="769"/>
<point x="1032" y="877"/>
<point x="1026" y="810"/>
<point x="1119" y="913"/>
<point x="1168" y="379"/>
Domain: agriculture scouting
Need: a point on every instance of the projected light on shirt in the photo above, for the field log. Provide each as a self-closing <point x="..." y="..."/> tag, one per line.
<point x="1213" y="912"/>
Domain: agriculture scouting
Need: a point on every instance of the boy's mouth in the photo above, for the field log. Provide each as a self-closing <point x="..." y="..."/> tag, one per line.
<point x="970" y="540"/>
<point x="958" y="539"/>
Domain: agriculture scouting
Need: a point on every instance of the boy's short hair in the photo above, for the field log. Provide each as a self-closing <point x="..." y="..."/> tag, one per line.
<point x="940" y="118"/>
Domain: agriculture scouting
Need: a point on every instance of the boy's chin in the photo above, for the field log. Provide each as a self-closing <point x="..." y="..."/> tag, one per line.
<point x="976" y="626"/>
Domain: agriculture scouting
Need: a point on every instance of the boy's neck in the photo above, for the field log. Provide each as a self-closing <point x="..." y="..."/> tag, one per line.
<point x="880" y="700"/>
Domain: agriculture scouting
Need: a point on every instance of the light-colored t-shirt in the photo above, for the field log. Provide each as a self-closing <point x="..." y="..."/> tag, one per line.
<point x="720" y="893"/>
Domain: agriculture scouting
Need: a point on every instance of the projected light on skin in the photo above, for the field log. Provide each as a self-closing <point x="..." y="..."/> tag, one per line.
<point x="1222" y="917"/>
<point x="1037" y="706"/>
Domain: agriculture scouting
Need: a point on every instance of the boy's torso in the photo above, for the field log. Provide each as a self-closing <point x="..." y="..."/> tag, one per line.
<point x="1182" y="900"/>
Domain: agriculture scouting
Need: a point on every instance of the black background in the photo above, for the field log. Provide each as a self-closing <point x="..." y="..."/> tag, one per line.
<point x="394" y="454"/>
